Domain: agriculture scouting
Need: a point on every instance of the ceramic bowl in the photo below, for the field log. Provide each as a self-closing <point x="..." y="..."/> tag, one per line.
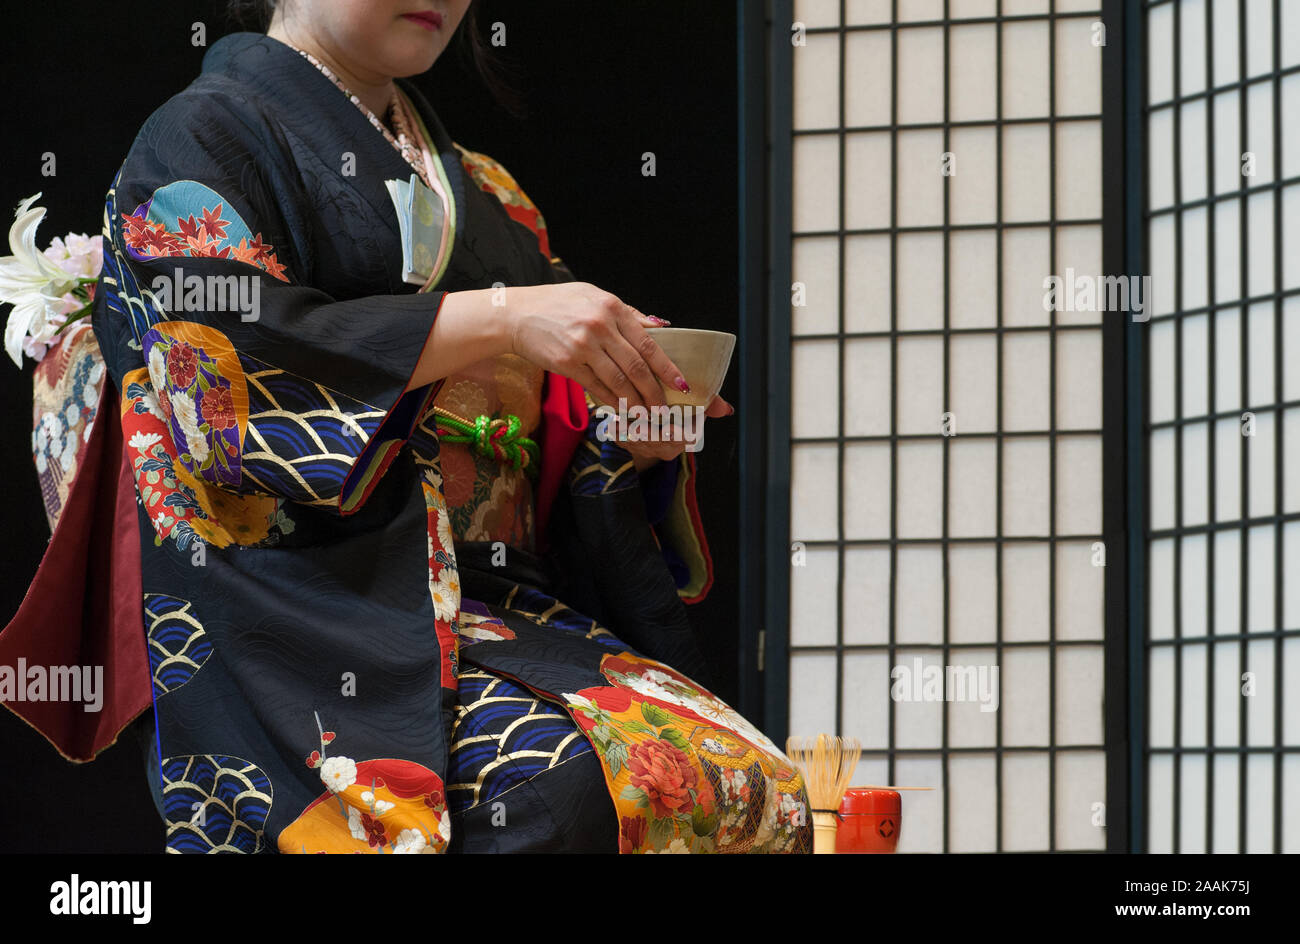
<point x="703" y="356"/>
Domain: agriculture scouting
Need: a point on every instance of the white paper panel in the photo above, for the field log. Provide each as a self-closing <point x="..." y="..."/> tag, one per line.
<point x="1160" y="256"/>
<point x="1025" y="802"/>
<point x="1160" y="792"/>
<point x="1025" y="692"/>
<point x="973" y="189"/>
<point x="817" y="82"/>
<point x="867" y="162"/>
<point x="812" y="478"/>
<point x="922" y="829"/>
<point x="1226" y="807"/>
<point x="865" y="696"/>
<point x="1196" y="364"/>
<point x="818" y="12"/>
<point x="1260" y="450"/>
<point x="1078" y="379"/>
<point x="1160" y="696"/>
<point x="1078" y="485"/>
<point x="972" y="269"/>
<point x="1290" y="30"/>
<point x="1226" y="66"/>
<point x="1160" y="589"/>
<point x="972" y="488"/>
<point x="972" y="593"/>
<point x="816" y="179"/>
<point x="1259" y="233"/>
<point x="1160" y="53"/>
<point x="1026" y="173"/>
<point x="1291" y="348"/>
<point x="1026" y="381"/>
<point x="1194" y="668"/>
<point x="972" y="84"/>
<point x="1025" y="8"/>
<point x="866" y="283"/>
<point x="815" y="262"/>
<point x="919" y="594"/>
<point x="1160" y="158"/>
<point x="915" y="10"/>
<point x="920" y="385"/>
<point x="972" y="366"/>
<point x="1259" y="36"/>
<point x="1259" y="132"/>
<point x="1227" y="583"/>
<point x="920" y="287"/>
<point x="1026" y="493"/>
<point x="1196" y="259"/>
<point x="972" y="808"/>
<point x="1025" y="581"/>
<point x="1080" y="788"/>
<point x="867" y="78"/>
<point x="1078" y="68"/>
<point x="1291" y="234"/>
<point x="1079" y="684"/>
<point x="1079" y="248"/>
<point x="1196" y="486"/>
<point x="867" y="12"/>
<point x="1259" y="804"/>
<point x="1227" y="692"/>
<point x="812" y="693"/>
<point x="1078" y="170"/>
<point x="1080" y="592"/>
<point x="1291" y="129"/>
<point x="1291" y="693"/>
<point x="1259" y="356"/>
<point x="964" y="9"/>
<point x="1191" y="42"/>
<point x="1228" y="442"/>
<point x="814" y="392"/>
<point x="920" y="183"/>
<point x="1290" y="587"/>
<point x="920" y="75"/>
<point x="867" y="386"/>
<point x="812" y="599"/>
<point x="1227" y="251"/>
<point x="1025" y="69"/>
<point x="1226" y="146"/>
<point x="866" y="595"/>
<point x="917" y="723"/>
<point x="920" y="490"/>
<point x="1026" y="262"/>
<point x="1259" y="708"/>
<point x="1192" y="156"/>
<point x="1191" y="811"/>
<point x="1195" y="562"/>
<point x="1162" y="477"/>
<point x="866" y="491"/>
<point x="1227" y="360"/>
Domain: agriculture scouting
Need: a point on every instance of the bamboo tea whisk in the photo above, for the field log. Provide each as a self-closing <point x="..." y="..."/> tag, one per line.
<point x="828" y="763"/>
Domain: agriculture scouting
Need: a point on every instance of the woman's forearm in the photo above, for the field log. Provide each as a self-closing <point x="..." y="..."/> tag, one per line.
<point x="469" y="328"/>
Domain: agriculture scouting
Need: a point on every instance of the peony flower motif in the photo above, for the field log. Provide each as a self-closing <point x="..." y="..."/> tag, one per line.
<point x="411" y="842"/>
<point x="144" y="441"/>
<point x="434" y="799"/>
<point x="666" y="775"/>
<point x="182" y="364"/>
<point x="218" y="408"/>
<point x="33" y="284"/>
<point x="631" y="834"/>
<point x="338" y="773"/>
<point x="445" y="590"/>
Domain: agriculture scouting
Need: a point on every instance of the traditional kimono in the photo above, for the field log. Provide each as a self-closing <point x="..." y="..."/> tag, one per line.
<point x="365" y="633"/>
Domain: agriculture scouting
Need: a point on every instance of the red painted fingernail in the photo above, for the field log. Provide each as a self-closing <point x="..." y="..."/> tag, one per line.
<point x="662" y="322"/>
<point x="730" y="409"/>
<point x="682" y="385"/>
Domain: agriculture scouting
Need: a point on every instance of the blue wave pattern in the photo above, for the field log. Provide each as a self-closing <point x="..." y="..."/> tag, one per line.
<point x="178" y="646"/>
<point x="214" y="803"/>
<point x="302" y="438"/>
<point x="503" y="736"/>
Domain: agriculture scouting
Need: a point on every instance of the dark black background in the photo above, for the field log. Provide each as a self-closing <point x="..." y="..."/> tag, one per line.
<point x="601" y="83"/>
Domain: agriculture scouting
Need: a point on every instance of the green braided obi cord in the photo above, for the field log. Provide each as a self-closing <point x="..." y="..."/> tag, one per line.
<point x="495" y="437"/>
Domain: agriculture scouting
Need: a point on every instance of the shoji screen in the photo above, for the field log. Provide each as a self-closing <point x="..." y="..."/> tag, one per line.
<point x="946" y="443"/>
<point x="1223" y="233"/>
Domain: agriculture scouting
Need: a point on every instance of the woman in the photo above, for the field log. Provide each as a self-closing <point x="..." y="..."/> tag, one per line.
<point x="380" y="618"/>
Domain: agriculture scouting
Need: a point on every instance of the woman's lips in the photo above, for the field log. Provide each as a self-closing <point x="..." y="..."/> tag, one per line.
<point x="430" y="19"/>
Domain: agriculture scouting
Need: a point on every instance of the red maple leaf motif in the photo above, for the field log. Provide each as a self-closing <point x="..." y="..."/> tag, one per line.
<point x="213" y="223"/>
<point x="187" y="228"/>
<point x="274" y="267"/>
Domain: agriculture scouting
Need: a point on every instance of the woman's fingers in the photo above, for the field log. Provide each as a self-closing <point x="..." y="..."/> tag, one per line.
<point x="649" y="351"/>
<point x="593" y="385"/>
<point x="615" y="380"/>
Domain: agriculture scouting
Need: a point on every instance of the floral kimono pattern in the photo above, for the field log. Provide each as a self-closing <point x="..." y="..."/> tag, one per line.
<point x="343" y="657"/>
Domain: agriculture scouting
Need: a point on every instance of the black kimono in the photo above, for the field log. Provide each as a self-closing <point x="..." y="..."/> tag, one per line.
<point x="342" y="660"/>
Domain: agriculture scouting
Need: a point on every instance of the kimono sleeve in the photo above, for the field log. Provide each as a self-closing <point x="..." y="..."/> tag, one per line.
<point x="265" y="384"/>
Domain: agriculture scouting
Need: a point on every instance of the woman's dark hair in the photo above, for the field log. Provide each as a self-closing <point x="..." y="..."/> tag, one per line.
<point x="469" y="45"/>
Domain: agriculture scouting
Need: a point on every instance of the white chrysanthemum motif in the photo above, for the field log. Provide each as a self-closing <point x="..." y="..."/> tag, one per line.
<point x="144" y="441"/>
<point x="444" y="532"/>
<point x="158" y="367"/>
<point x="411" y="842"/>
<point x="338" y="773"/>
<point x="196" y="444"/>
<point x="445" y="590"/>
<point x="676" y="847"/>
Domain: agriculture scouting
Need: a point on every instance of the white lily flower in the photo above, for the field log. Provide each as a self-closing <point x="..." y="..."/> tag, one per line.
<point x="30" y="282"/>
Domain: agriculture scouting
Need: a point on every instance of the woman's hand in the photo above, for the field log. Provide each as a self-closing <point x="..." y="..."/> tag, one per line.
<point x="647" y="452"/>
<point x="592" y="337"/>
